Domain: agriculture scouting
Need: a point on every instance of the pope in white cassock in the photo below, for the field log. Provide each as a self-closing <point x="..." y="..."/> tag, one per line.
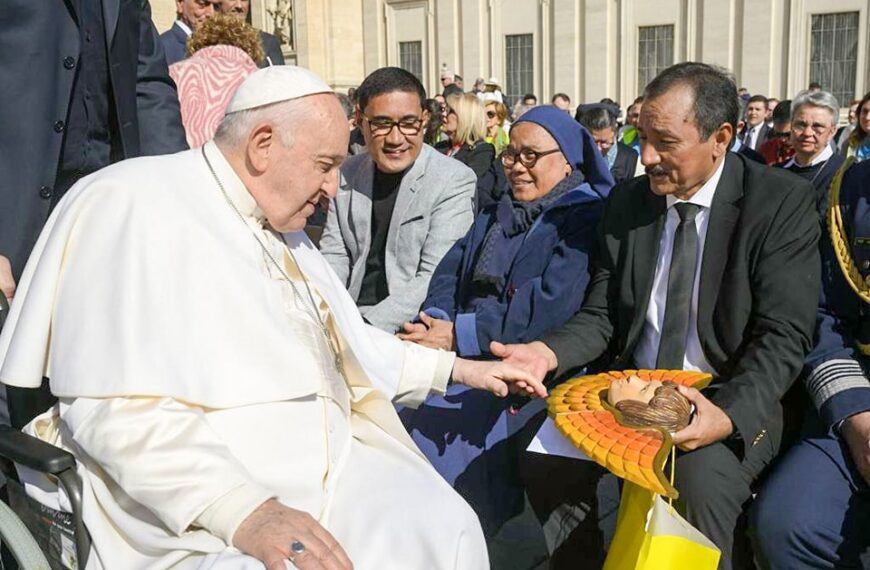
<point x="225" y="402"/>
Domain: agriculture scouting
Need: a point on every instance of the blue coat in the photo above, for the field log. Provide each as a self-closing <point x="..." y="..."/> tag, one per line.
<point x="469" y="435"/>
<point x="545" y="283"/>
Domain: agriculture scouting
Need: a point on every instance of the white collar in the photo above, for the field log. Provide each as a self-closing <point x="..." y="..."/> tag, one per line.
<point x="823" y="156"/>
<point x="233" y="185"/>
<point x="184" y="27"/>
<point x="704" y="196"/>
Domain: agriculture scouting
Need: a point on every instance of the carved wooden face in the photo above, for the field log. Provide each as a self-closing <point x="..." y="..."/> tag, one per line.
<point x="632" y="388"/>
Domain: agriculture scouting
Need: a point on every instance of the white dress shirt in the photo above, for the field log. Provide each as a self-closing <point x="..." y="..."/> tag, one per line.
<point x="647" y="350"/>
<point x="184" y="27"/>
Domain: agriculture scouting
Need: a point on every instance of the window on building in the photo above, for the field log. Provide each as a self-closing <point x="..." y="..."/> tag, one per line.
<point x="519" y="66"/>
<point x="655" y="52"/>
<point x="834" y="53"/>
<point x="411" y="58"/>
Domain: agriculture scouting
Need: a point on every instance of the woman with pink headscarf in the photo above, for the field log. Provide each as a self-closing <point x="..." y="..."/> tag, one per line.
<point x="222" y="53"/>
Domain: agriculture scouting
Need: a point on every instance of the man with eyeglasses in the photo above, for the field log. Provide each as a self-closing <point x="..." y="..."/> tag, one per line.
<point x="399" y="208"/>
<point x="813" y="124"/>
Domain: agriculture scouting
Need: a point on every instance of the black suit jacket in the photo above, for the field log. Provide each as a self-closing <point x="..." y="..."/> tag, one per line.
<point x="763" y="133"/>
<point x="39" y="50"/>
<point x="478" y="157"/>
<point x="272" y="49"/>
<point x="625" y="163"/>
<point x="758" y="290"/>
<point x="174" y="41"/>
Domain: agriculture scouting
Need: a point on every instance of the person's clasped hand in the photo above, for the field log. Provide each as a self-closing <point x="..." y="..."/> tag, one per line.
<point x="856" y="433"/>
<point x="268" y="533"/>
<point x="498" y="377"/>
<point x="709" y="424"/>
<point x="430" y="332"/>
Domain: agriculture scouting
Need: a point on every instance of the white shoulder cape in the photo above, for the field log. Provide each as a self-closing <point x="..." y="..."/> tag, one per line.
<point x="144" y="282"/>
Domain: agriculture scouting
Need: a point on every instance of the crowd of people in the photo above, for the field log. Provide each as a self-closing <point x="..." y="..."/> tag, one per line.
<point x="279" y="325"/>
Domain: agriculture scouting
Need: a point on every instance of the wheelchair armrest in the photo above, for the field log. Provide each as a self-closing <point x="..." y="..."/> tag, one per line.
<point x="34" y="453"/>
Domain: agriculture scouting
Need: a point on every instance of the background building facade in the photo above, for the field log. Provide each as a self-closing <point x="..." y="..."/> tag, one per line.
<point x="588" y="49"/>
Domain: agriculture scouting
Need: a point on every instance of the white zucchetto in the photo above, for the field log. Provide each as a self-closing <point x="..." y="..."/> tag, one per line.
<point x="275" y="84"/>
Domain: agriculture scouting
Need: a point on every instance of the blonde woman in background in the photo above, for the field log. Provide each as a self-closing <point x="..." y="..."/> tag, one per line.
<point x="465" y="127"/>
<point x="496" y="134"/>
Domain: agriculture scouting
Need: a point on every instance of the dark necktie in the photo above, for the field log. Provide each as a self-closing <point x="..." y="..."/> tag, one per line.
<point x="681" y="279"/>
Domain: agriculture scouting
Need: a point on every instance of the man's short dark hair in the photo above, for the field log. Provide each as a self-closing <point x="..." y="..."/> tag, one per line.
<point x="713" y="88"/>
<point x="528" y="96"/>
<point x="757" y="99"/>
<point x="388" y="80"/>
<point x="815" y="85"/>
<point x="596" y="118"/>
<point x="782" y="112"/>
<point x="457" y="77"/>
<point x="560" y="96"/>
<point x="452" y="89"/>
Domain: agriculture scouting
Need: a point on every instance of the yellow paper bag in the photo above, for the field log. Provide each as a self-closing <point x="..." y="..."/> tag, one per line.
<point x="651" y="535"/>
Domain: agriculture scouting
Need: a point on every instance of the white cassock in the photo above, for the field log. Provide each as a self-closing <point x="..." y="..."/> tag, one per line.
<point x="194" y="384"/>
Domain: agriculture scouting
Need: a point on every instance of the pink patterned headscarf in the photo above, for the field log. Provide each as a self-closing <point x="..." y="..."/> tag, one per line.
<point x="206" y="82"/>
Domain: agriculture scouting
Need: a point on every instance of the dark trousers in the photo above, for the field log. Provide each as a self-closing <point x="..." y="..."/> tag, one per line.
<point x="577" y="506"/>
<point x="814" y="510"/>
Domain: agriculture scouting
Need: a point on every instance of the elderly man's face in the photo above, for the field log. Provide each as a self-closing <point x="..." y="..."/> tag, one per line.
<point x="388" y="123"/>
<point x="811" y="130"/>
<point x="299" y="176"/>
<point x="195" y="12"/>
<point x="677" y="161"/>
<point x="238" y="8"/>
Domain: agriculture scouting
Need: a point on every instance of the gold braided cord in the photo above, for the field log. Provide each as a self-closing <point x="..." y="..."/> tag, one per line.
<point x="839" y="237"/>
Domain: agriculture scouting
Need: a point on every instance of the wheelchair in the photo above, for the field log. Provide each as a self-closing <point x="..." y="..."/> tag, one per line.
<point x="38" y="536"/>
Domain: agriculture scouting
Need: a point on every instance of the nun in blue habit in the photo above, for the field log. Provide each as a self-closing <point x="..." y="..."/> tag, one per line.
<point x="521" y="270"/>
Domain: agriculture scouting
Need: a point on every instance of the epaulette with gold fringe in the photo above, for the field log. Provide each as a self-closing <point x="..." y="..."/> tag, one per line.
<point x="840" y="239"/>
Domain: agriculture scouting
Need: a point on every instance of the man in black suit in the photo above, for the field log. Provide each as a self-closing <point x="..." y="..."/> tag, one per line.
<point x="271" y="44"/>
<point x="191" y="13"/>
<point x="754" y="134"/>
<point x="600" y="120"/>
<point x="102" y="94"/>
<point x="709" y="262"/>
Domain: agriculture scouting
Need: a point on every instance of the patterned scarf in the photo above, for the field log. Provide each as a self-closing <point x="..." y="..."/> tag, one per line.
<point x="512" y="218"/>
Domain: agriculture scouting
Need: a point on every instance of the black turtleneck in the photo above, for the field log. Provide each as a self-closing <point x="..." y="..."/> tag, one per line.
<point x="385" y="188"/>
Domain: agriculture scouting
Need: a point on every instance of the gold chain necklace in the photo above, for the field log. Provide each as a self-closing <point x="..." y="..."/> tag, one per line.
<point x="331" y="342"/>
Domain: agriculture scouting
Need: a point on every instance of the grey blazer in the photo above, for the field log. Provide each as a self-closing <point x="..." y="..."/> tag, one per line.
<point x="434" y="209"/>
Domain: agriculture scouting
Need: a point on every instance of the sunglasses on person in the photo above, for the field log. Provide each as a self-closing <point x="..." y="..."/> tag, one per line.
<point x="491" y="114"/>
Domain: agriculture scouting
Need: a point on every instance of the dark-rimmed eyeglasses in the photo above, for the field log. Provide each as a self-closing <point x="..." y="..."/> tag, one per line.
<point x="527" y="156"/>
<point x="382" y="127"/>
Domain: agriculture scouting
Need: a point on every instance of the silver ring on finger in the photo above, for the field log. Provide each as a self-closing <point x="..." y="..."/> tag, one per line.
<point x="296" y="548"/>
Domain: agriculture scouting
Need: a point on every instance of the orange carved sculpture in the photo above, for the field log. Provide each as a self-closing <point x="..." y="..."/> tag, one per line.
<point x="581" y="413"/>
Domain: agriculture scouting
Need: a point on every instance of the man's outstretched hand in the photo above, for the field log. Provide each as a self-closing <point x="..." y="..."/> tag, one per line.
<point x="536" y="358"/>
<point x="498" y="377"/>
<point x="269" y="531"/>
